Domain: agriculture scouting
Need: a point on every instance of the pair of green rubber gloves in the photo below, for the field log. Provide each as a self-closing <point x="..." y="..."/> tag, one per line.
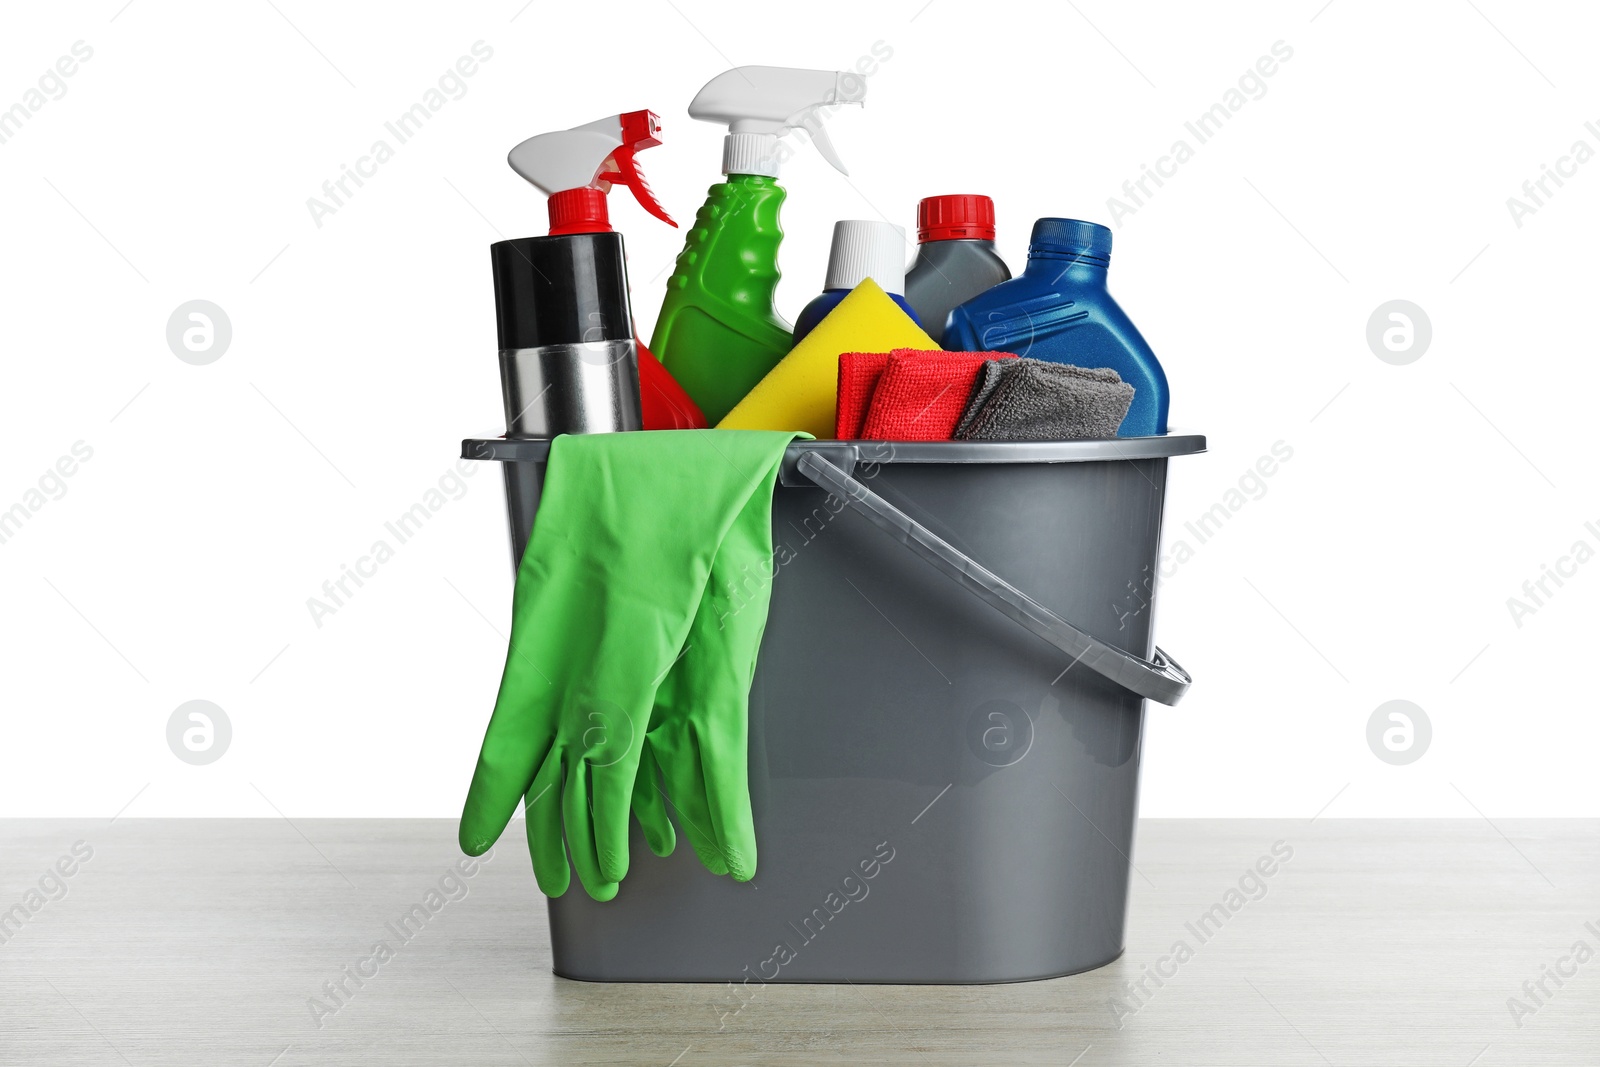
<point x="638" y="613"/>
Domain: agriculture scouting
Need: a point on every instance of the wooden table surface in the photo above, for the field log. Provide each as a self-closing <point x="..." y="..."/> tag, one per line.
<point x="182" y="942"/>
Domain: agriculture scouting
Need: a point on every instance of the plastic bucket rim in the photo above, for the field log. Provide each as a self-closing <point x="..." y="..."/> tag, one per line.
<point x="1165" y="446"/>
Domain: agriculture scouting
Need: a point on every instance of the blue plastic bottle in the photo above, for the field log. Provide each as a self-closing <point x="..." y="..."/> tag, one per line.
<point x="1060" y="310"/>
<point x="861" y="250"/>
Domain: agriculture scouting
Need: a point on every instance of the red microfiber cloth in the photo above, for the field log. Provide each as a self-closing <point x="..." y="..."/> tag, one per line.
<point x="920" y="395"/>
<point x="858" y="377"/>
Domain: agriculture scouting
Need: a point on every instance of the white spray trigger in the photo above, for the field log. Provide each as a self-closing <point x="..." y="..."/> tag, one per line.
<point x="761" y="104"/>
<point x="812" y="121"/>
<point x="567" y="159"/>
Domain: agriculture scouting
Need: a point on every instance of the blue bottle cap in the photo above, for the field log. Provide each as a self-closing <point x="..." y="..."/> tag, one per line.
<point x="1071" y="239"/>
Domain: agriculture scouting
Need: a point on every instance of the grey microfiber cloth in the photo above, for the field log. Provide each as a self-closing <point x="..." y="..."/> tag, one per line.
<point x="1033" y="400"/>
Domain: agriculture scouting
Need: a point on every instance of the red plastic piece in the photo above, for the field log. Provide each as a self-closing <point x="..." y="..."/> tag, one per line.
<point x="956" y="217"/>
<point x="639" y="131"/>
<point x="578" y="211"/>
<point x="666" y="406"/>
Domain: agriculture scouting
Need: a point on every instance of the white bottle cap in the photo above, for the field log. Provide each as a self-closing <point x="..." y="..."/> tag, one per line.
<point x="863" y="250"/>
<point x="750" y="153"/>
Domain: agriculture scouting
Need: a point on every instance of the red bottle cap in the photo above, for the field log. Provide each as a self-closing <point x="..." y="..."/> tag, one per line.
<point x="578" y="211"/>
<point x="957" y="217"/>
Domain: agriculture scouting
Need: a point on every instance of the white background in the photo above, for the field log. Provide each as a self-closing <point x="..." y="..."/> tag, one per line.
<point x="1376" y="166"/>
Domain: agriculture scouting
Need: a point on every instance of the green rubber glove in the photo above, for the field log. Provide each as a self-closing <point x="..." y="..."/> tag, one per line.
<point x="698" y="740"/>
<point x="613" y="581"/>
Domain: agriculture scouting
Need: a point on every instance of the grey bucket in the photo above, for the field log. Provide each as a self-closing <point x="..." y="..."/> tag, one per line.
<point x="944" y="770"/>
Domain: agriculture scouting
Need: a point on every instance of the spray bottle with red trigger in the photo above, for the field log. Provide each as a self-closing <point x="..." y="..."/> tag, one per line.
<point x="576" y="168"/>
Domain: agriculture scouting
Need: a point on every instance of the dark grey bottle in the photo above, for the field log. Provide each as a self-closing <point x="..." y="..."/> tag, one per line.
<point x="956" y="258"/>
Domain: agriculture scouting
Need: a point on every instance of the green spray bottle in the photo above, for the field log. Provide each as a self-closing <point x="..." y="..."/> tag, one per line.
<point x="719" y="332"/>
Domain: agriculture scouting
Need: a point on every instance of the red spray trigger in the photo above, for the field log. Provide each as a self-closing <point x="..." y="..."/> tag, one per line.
<point x="576" y="168"/>
<point x="639" y="131"/>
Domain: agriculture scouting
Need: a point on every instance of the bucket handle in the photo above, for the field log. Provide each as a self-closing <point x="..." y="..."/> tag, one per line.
<point x="1161" y="680"/>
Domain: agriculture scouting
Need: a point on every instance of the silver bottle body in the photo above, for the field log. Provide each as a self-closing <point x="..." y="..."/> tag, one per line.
<point x="589" y="387"/>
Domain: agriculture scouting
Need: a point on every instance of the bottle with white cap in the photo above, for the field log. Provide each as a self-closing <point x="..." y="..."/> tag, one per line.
<point x="719" y="332"/>
<point x="861" y="250"/>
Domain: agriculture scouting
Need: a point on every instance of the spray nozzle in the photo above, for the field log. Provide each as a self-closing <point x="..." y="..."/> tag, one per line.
<point x="761" y="104"/>
<point x="577" y="167"/>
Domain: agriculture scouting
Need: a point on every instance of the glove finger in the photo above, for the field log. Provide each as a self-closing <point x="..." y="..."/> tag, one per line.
<point x="686" y="793"/>
<point x="724" y="768"/>
<point x="610" y="791"/>
<point x="580" y="832"/>
<point x="499" y="783"/>
<point x="515" y="745"/>
<point x="543" y="807"/>
<point x="650" y="808"/>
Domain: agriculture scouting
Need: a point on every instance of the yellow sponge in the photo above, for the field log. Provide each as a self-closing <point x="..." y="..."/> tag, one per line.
<point x="801" y="392"/>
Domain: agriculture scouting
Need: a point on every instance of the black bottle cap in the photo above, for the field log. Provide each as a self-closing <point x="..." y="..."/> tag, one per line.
<point x="561" y="290"/>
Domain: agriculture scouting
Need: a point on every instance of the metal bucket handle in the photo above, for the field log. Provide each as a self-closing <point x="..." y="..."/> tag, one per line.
<point x="1161" y="680"/>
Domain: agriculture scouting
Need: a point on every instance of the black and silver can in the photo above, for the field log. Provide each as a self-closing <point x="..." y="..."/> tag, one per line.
<point x="568" y="359"/>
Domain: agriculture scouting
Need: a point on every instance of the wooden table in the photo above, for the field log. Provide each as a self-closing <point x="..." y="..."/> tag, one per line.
<point x="210" y="942"/>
